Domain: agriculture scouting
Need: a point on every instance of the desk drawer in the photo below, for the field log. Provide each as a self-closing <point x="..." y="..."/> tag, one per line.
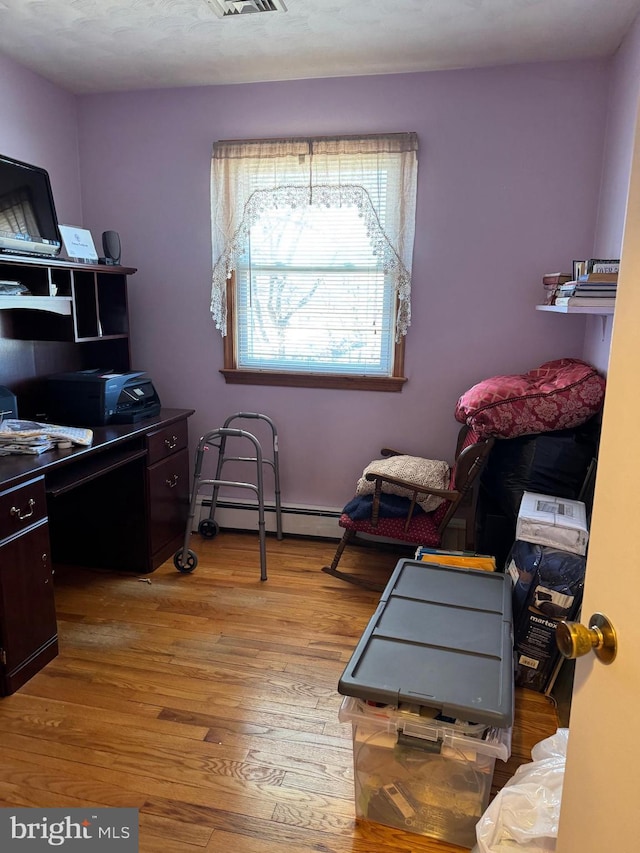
<point x="166" y="441"/>
<point x="168" y="484"/>
<point x="21" y="507"/>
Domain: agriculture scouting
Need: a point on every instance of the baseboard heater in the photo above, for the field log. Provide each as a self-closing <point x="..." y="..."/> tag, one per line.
<point x="312" y="521"/>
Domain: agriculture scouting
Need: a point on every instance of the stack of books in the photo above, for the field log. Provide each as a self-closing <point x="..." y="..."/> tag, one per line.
<point x="596" y="288"/>
<point x="551" y="282"/>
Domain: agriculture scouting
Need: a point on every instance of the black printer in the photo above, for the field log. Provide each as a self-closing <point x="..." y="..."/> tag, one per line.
<point x="96" y="398"/>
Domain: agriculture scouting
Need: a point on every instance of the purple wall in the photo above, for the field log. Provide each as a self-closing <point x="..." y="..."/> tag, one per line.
<point x="621" y="126"/>
<point x="39" y="124"/>
<point x="509" y="174"/>
<point x="508" y="183"/>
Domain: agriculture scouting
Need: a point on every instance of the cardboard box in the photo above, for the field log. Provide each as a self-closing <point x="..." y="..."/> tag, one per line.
<point x="557" y="522"/>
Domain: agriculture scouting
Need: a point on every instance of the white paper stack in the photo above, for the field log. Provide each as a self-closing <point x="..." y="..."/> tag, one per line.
<point x="24" y="446"/>
<point x="32" y="437"/>
<point x="557" y="522"/>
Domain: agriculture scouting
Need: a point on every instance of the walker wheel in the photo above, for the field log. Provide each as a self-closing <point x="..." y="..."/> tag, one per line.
<point x="208" y="528"/>
<point x="185" y="566"/>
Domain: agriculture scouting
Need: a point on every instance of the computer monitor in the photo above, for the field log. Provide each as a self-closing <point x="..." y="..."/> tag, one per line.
<point x="28" y="221"/>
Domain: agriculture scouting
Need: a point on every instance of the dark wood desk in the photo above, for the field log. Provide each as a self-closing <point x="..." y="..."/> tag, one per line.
<point x="119" y="504"/>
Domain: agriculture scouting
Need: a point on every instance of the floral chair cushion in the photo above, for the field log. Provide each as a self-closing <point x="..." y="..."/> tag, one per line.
<point x="422" y="529"/>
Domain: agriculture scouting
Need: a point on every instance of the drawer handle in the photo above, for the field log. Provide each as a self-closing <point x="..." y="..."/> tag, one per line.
<point x="173" y="482"/>
<point x="18" y="512"/>
<point x="172" y="442"/>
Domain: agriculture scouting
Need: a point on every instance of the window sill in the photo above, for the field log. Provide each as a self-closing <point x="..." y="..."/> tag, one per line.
<point x="314" y="380"/>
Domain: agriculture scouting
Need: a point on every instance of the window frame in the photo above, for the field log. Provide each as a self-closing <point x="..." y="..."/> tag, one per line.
<point x="299" y="168"/>
<point x="234" y="375"/>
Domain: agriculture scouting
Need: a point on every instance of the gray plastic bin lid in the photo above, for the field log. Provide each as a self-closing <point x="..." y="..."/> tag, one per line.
<point x="441" y="637"/>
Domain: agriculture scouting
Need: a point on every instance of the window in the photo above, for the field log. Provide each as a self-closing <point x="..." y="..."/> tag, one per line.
<point x="312" y="257"/>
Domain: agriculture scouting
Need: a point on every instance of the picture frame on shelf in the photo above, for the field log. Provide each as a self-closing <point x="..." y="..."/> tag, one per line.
<point x="603" y="265"/>
<point x="579" y="268"/>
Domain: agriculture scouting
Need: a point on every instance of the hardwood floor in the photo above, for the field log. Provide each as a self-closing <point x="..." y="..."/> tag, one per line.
<point x="208" y="701"/>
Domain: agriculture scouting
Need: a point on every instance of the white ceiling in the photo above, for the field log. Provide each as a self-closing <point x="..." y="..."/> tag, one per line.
<point x="111" y="45"/>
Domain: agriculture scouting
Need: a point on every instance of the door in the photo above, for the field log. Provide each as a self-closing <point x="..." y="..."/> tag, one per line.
<point x="600" y="804"/>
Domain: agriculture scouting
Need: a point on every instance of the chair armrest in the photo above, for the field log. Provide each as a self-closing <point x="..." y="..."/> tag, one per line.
<point x="379" y="479"/>
<point x="414" y="488"/>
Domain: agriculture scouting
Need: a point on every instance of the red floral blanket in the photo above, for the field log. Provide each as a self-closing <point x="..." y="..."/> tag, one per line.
<point x="557" y="395"/>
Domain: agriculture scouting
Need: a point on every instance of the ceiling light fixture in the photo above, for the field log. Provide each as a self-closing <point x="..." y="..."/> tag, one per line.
<point x="226" y="8"/>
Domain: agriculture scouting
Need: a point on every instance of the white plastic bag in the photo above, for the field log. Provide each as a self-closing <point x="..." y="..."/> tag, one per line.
<point x="524" y="814"/>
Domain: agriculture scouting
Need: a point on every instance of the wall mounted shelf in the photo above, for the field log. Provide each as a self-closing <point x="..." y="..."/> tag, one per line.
<point x="576" y="309"/>
<point x="603" y="311"/>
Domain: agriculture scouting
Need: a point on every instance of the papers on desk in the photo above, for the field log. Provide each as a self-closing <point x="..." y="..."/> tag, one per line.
<point x="33" y="438"/>
<point x="25" y="446"/>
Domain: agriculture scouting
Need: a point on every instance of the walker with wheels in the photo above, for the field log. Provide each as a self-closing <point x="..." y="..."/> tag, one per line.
<point x="185" y="560"/>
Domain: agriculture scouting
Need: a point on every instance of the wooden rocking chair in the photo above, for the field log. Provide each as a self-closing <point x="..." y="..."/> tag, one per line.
<point x="363" y="514"/>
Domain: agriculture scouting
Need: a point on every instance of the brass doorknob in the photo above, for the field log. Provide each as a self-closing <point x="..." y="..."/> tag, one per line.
<point x="575" y="640"/>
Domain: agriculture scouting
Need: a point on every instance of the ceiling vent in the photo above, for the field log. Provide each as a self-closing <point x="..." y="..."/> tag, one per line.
<point x="227" y="8"/>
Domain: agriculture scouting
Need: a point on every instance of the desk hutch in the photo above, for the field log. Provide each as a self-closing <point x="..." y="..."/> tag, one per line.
<point x="119" y="504"/>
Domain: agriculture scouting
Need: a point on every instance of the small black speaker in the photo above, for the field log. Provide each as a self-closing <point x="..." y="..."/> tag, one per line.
<point x="111" y="247"/>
